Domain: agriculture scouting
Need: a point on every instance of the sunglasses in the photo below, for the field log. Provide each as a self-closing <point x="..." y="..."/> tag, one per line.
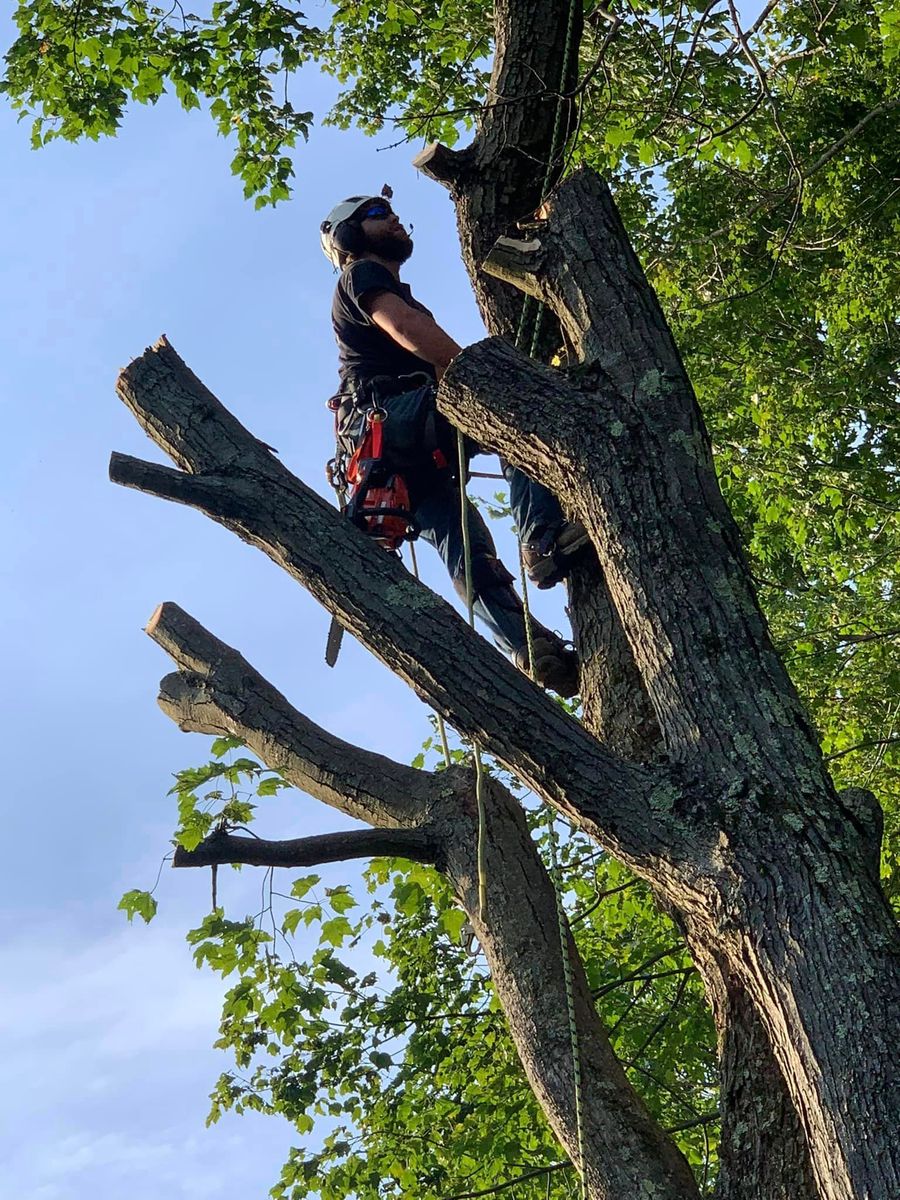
<point x="375" y="212"/>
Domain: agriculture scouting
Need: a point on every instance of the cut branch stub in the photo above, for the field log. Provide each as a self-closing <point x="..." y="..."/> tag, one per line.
<point x="443" y="165"/>
<point x="519" y="263"/>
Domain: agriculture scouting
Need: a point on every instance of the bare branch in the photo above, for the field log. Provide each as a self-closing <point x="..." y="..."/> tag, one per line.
<point x="867" y="744"/>
<point x="219" y="691"/>
<point x="548" y="1169"/>
<point x="221" y="848"/>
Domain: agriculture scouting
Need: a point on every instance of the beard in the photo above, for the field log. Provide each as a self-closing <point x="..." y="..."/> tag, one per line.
<point x="395" y="247"/>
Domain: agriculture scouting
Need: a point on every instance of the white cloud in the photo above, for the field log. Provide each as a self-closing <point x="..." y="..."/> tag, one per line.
<point x="84" y="1151"/>
<point x="107" y="1071"/>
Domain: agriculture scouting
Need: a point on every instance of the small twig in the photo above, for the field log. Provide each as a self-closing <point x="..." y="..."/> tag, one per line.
<point x="868" y="744"/>
<point x="598" y="62"/>
<point x="501" y="1187"/>
<point x="734" y="44"/>
<point x="598" y="900"/>
<point x="639" y="973"/>
<point x="663" y="1020"/>
<point x="707" y="1119"/>
<point x="833" y="149"/>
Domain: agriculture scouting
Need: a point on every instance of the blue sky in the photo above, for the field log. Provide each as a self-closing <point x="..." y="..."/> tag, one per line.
<point x="109" y="1026"/>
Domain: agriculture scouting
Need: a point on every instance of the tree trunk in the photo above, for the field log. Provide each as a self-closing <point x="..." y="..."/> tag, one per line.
<point x="789" y="895"/>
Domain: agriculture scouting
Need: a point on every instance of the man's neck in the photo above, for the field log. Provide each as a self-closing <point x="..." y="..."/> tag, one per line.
<point x="393" y="267"/>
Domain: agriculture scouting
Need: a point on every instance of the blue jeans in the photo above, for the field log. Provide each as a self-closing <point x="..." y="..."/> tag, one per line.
<point x="437" y="511"/>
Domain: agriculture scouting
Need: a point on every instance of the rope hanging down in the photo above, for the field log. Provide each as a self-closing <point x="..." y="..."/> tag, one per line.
<point x="569" y="984"/>
<point x="529" y="305"/>
<point x="476" y="749"/>
<point x="442" y="728"/>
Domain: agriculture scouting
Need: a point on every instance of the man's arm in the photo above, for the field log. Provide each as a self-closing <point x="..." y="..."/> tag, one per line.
<point x="411" y="329"/>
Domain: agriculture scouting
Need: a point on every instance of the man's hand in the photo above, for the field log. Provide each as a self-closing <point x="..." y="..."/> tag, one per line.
<point x="411" y="329"/>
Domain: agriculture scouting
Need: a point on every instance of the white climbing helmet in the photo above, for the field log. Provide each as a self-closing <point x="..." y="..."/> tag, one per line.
<point x="337" y="241"/>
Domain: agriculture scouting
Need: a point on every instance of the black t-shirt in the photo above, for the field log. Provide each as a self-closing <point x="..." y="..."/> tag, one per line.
<point x="364" y="350"/>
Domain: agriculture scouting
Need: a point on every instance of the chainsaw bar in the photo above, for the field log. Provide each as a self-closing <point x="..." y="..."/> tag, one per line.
<point x="333" y="644"/>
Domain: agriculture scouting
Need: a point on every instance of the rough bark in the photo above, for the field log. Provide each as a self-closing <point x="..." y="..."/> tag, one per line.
<point x="492" y="200"/>
<point x="761" y="1143"/>
<point x="432" y="818"/>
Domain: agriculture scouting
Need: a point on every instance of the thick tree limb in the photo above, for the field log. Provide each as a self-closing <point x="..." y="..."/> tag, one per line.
<point x="650" y="500"/>
<point x="268" y="507"/>
<point x="763" y="1150"/>
<point x="462" y="677"/>
<point x="218" y="692"/>
<point x="221" y="848"/>
<point x="614" y="702"/>
<point x="500" y="178"/>
<point x="670" y="553"/>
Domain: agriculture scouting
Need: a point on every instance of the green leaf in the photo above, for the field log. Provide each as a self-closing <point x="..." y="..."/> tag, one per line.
<point x="340" y="900"/>
<point x="304" y="884"/>
<point x="336" y="931"/>
<point x="138" y="903"/>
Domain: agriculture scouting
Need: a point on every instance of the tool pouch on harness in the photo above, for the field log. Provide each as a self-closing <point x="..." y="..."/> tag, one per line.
<point x="388" y="442"/>
<point x="379" y="498"/>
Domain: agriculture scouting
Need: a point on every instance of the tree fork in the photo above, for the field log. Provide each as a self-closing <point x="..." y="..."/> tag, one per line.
<point x="433" y="817"/>
<point x="263" y="508"/>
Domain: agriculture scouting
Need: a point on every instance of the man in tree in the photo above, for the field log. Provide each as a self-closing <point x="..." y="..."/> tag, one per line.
<point x="392" y="353"/>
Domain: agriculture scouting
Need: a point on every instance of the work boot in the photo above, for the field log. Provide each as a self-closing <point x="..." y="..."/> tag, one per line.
<point x="555" y="664"/>
<point x="550" y="556"/>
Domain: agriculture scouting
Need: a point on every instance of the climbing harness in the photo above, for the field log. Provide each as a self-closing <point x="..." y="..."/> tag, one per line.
<point x="371" y="491"/>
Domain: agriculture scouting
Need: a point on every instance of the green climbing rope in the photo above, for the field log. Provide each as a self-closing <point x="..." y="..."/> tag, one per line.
<point x="442" y="728"/>
<point x="481" y="853"/>
<point x="531" y="305"/>
<point x="569" y="984"/>
<point x="526" y="611"/>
